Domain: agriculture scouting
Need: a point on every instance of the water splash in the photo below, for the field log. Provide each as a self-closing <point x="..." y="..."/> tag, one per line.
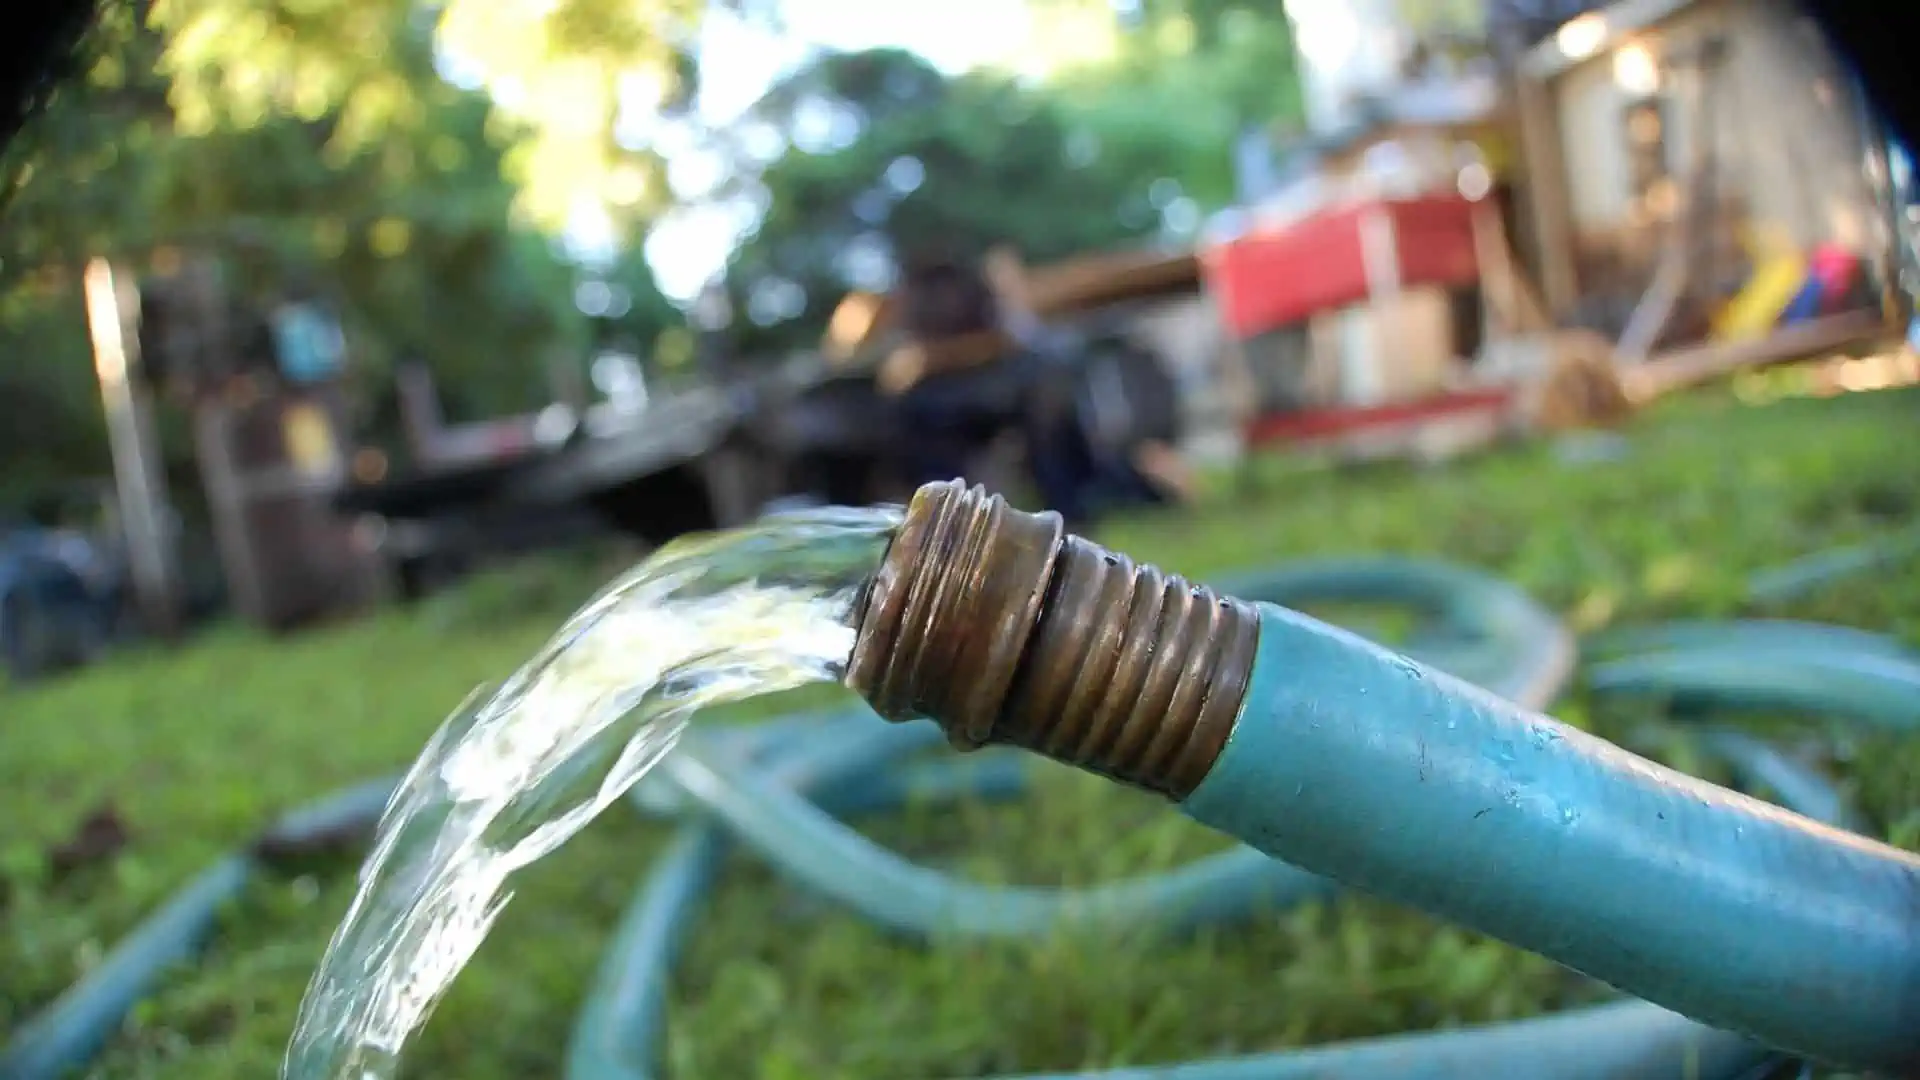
<point x="514" y="773"/>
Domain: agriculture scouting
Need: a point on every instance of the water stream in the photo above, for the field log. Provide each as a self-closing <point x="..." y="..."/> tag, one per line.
<point x="520" y="768"/>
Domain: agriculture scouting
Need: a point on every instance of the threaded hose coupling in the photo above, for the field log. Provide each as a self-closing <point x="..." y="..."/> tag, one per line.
<point x="1004" y="628"/>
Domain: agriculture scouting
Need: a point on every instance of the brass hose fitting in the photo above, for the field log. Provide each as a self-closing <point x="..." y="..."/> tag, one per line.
<point x="1004" y="628"/>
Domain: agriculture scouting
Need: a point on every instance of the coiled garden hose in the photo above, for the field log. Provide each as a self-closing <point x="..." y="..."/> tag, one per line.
<point x="784" y="789"/>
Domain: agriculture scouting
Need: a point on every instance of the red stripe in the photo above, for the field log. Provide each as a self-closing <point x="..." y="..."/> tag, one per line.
<point x="1310" y="424"/>
<point x="1269" y="279"/>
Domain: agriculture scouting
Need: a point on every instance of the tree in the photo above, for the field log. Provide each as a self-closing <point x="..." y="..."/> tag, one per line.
<point x="1196" y="74"/>
<point x="557" y="70"/>
<point x="919" y="163"/>
<point x="305" y="141"/>
<point x="882" y="153"/>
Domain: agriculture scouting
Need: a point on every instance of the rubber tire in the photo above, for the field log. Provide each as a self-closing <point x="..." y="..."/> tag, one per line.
<point x="1149" y="396"/>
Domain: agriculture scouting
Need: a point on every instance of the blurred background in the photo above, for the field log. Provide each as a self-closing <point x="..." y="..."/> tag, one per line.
<point x="414" y="321"/>
<point x="375" y="292"/>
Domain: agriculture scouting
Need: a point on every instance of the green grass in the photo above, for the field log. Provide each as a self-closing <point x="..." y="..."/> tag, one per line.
<point x="193" y="750"/>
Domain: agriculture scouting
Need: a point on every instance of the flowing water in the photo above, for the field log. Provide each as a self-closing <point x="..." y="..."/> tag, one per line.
<point x="517" y="771"/>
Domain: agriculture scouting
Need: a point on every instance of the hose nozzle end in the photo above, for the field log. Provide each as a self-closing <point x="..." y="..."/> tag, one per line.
<point x="949" y="614"/>
<point x="1004" y="628"/>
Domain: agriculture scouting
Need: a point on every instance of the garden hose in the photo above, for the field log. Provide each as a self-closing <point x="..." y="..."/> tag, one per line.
<point x="80" y="1022"/>
<point x="783" y="791"/>
<point x="1804" y="575"/>
<point x="1340" y="757"/>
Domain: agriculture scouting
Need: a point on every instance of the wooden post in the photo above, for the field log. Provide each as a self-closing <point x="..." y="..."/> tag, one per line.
<point x="226" y="504"/>
<point x="1507" y="294"/>
<point x="1548" y="205"/>
<point x="1365" y="352"/>
<point x="113" y="314"/>
<point x="1889" y="256"/>
<point x="420" y="414"/>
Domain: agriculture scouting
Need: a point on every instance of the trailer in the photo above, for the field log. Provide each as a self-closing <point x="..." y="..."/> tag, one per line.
<point x="685" y="463"/>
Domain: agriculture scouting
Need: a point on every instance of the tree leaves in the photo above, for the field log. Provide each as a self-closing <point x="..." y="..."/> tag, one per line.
<point x="287" y="137"/>
<point x="1123" y="140"/>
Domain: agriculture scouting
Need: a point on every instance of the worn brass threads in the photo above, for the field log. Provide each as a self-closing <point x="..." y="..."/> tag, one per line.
<point x="1005" y="629"/>
<point x="949" y="614"/>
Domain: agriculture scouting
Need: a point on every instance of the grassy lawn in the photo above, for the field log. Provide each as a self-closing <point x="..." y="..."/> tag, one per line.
<point x="193" y="751"/>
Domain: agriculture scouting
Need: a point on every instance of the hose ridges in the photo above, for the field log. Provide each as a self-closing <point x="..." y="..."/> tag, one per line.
<point x="1133" y="673"/>
<point x="1005" y="629"/>
<point x="950" y="611"/>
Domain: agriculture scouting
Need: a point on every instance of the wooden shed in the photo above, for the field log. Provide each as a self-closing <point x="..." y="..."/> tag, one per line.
<point x="1631" y="111"/>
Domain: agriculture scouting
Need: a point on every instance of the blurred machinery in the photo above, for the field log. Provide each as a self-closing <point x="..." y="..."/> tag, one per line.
<point x="262" y="382"/>
<point x="1060" y="370"/>
<point x="1610" y="202"/>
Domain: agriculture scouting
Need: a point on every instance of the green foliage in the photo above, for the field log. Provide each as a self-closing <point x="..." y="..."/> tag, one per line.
<point x="194" y="750"/>
<point x="556" y="582"/>
<point x="1195" y="74"/>
<point x="1103" y="153"/>
<point x="316" y="141"/>
<point x="556" y="68"/>
<point x="642" y="319"/>
<point x="299" y="141"/>
<point x="957" y="165"/>
<point x="54" y="429"/>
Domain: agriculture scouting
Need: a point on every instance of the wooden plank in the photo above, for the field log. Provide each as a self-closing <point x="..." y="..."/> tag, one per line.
<point x="1611" y="24"/>
<point x="1074" y="286"/>
<point x="1549" y="205"/>
<point x="113" y="316"/>
<point x="1682" y="368"/>
<point x="1315" y="425"/>
<point x="1512" y="302"/>
<point x="1090" y="282"/>
<point x="670" y="432"/>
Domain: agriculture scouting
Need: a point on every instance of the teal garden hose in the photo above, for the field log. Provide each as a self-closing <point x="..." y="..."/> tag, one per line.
<point x="1316" y="747"/>
<point x="1339" y="757"/>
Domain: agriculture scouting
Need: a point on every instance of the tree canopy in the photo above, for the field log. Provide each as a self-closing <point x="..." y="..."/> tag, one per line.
<point x="314" y="140"/>
<point x="414" y="163"/>
<point x="884" y="154"/>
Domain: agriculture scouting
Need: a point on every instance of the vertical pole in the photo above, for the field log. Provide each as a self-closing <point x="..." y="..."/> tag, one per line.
<point x="1367" y="348"/>
<point x="420" y="413"/>
<point x="1548" y="200"/>
<point x="1891" y="256"/>
<point x="112" y="312"/>
<point x="214" y="421"/>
